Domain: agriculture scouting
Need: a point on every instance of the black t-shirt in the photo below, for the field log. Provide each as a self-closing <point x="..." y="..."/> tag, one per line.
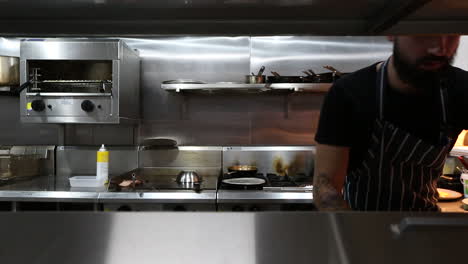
<point x="350" y="109"/>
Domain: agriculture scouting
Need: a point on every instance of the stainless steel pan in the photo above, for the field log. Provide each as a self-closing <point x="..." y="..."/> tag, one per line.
<point x="9" y="71"/>
<point x="256" y="78"/>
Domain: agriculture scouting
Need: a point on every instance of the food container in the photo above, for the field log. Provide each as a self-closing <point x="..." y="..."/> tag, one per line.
<point x="85" y="181"/>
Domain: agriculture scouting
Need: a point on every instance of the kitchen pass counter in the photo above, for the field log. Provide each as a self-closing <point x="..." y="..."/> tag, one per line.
<point x="214" y="237"/>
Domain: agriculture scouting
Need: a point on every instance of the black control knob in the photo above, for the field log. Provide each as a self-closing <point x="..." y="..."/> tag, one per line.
<point x="87" y="106"/>
<point x="254" y="208"/>
<point x="38" y="105"/>
<point x="124" y="208"/>
<point x="237" y="208"/>
<point x="180" y="208"/>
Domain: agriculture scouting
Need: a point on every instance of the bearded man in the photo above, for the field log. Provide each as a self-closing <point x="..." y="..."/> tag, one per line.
<point x="385" y="130"/>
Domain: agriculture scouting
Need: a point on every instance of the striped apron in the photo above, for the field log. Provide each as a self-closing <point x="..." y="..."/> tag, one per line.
<point x="400" y="170"/>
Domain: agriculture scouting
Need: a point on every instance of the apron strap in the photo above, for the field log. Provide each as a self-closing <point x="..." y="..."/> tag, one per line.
<point x="382" y="86"/>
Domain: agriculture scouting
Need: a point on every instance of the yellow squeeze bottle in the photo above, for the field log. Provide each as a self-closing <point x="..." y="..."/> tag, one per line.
<point x="102" y="165"/>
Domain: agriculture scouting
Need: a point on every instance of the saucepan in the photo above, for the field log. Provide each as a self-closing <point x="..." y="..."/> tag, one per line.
<point x="277" y="78"/>
<point x="256" y="78"/>
<point x="326" y="77"/>
<point x="9" y="71"/>
<point x="9" y="74"/>
<point x="331" y="76"/>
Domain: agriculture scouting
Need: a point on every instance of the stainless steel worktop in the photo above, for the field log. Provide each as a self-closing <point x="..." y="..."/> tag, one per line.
<point x="306" y="237"/>
<point x="40" y="189"/>
<point x="43" y="190"/>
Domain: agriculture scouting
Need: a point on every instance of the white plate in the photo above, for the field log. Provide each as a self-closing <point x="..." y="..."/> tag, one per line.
<point x="446" y="194"/>
<point x="244" y="181"/>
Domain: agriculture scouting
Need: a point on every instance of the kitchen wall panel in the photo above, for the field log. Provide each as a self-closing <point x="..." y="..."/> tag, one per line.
<point x="13" y="132"/>
<point x="100" y="134"/>
<point x="9" y="47"/>
<point x="291" y="55"/>
<point x="215" y="118"/>
<point x="240" y="118"/>
<point x="210" y="59"/>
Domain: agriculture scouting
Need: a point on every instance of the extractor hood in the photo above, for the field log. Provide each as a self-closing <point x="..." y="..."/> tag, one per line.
<point x="231" y="17"/>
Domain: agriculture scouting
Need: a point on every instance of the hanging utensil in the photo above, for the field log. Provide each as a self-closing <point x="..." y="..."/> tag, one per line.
<point x="277" y="78"/>
<point x="260" y="72"/>
<point x="337" y="72"/>
<point x="275" y="74"/>
<point x="307" y="73"/>
<point x="310" y="77"/>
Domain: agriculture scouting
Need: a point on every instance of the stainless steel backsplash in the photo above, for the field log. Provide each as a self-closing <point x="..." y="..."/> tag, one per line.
<point x="213" y="119"/>
<point x="206" y="160"/>
<point x="241" y="119"/>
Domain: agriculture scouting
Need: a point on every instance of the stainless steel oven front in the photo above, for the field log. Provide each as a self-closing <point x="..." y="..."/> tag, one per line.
<point x="79" y="81"/>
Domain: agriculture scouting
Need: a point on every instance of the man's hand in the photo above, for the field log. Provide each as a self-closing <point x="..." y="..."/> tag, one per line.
<point x="331" y="163"/>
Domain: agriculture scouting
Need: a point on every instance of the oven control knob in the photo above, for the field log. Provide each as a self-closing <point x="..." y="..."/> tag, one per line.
<point x="180" y="208"/>
<point x="38" y="105"/>
<point x="87" y="106"/>
<point x="237" y="208"/>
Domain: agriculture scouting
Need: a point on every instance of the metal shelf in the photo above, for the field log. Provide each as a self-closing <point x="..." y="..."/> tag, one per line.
<point x="263" y="87"/>
<point x="70" y="94"/>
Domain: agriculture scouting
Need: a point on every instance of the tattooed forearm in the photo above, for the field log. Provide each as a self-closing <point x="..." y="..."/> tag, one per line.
<point x="327" y="197"/>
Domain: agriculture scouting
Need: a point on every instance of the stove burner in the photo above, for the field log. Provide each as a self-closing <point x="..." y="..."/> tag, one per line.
<point x="302" y="179"/>
<point x="153" y="181"/>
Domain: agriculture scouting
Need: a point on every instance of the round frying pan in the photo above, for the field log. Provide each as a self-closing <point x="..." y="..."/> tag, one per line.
<point x="243" y="168"/>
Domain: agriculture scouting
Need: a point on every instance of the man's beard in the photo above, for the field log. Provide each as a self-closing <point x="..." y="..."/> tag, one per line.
<point x="422" y="80"/>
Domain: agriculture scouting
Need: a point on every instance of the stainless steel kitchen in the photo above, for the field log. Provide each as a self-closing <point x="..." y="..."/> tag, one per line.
<point x="206" y="131"/>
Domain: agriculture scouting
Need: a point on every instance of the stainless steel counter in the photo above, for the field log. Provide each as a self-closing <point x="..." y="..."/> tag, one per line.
<point x="185" y="197"/>
<point x="229" y="196"/>
<point x="41" y="189"/>
<point x="229" y="238"/>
